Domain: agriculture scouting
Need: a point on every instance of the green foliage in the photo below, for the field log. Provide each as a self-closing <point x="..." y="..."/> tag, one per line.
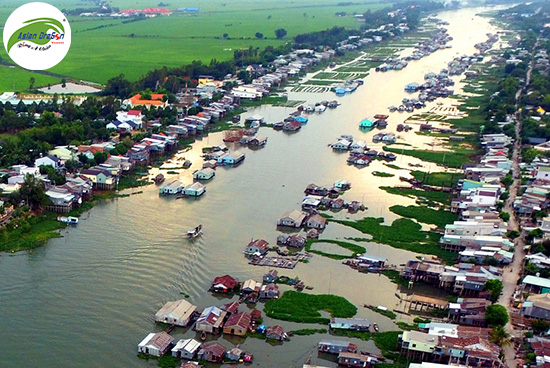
<point x="402" y="234"/>
<point x="168" y="360"/>
<point x="454" y="159"/>
<point x="299" y="307"/>
<point x="438" y="179"/>
<point x="385" y="313"/>
<point x="387" y="341"/>
<point x="496" y="315"/>
<point x="435" y="196"/>
<point x="356" y="249"/>
<point x="426" y="215"/>
<point x="507" y="180"/>
<point x="29" y="233"/>
<point x="382" y="174"/>
<point x="513" y="234"/>
<point x="395" y="277"/>
<point x="406" y="326"/>
<point x="280" y="33"/>
<point x="500" y="336"/>
<point x="505" y="216"/>
<point x="539" y="325"/>
<point x="363" y="335"/>
<point x="309" y="331"/>
<point x="494" y="287"/>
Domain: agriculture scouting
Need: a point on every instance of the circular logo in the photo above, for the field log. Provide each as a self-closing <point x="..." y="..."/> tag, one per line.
<point x="37" y="36"/>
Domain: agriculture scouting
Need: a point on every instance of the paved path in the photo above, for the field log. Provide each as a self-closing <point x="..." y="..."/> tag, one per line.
<point x="512" y="273"/>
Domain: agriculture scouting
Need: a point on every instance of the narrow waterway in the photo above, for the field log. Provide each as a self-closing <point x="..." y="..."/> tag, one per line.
<point x="88" y="298"/>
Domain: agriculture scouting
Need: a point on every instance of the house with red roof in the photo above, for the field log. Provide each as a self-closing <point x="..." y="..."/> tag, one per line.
<point x="257" y="247"/>
<point x="237" y="324"/>
<point x="135" y="116"/>
<point x="211" y="320"/>
<point x="212" y="352"/>
<point x="224" y="284"/>
<point x="156" y="100"/>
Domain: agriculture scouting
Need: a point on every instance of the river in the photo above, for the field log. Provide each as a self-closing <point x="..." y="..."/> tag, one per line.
<point x="88" y="298"/>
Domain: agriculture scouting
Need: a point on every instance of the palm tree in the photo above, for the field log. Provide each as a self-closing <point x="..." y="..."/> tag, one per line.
<point x="500" y="336"/>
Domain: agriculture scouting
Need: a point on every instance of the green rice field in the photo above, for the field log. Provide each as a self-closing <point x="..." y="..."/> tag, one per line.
<point x="104" y="47"/>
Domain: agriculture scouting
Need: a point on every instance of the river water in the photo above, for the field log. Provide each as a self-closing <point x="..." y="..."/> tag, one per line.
<point x="88" y="298"/>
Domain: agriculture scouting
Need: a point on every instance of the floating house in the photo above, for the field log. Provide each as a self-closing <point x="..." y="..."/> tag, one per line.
<point x="316" y="221"/>
<point x="336" y="346"/>
<point x="194" y="190"/>
<point x="342" y="184"/>
<point x="301" y="119"/>
<point x="357" y="324"/>
<point x="211" y="320"/>
<point x="224" y="284"/>
<point x="237" y="324"/>
<point x="355" y="360"/>
<point x="257" y="247"/>
<point x="366" y="124"/>
<point x="341" y="144"/>
<point x="271" y="276"/>
<point x="292" y="219"/>
<point x="186" y="348"/>
<point x="232" y="158"/>
<point x="276" y="333"/>
<point x="206" y="173"/>
<point x="177" y="313"/>
<point x="212" y="352"/>
<point x="173" y="187"/>
<point x="269" y="291"/>
<point x="155" y="344"/>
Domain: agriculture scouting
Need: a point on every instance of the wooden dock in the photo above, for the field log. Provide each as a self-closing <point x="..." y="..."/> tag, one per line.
<point x="280" y="262"/>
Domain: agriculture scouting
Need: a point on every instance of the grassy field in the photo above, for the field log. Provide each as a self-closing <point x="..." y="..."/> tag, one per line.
<point x="103" y="48"/>
<point x="356" y="249"/>
<point x="402" y="234"/>
<point x="299" y="307"/>
<point x="453" y="159"/>
<point x="440" y="197"/>
<point x="438" y="179"/>
<point x="17" y="79"/>
<point x="426" y="215"/>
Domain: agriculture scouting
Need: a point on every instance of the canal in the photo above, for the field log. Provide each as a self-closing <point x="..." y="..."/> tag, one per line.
<point x="88" y="298"/>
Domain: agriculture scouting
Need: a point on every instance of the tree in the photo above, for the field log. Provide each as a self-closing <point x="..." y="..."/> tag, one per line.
<point x="500" y="336"/>
<point x="33" y="192"/>
<point x="259" y="35"/>
<point x="494" y="287"/>
<point x="71" y="165"/>
<point x="32" y="81"/>
<point x="496" y="315"/>
<point x="505" y="216"/>
<point x="280" y="33"/>
<point x="539" y="325"/>
<point x="225" y="36"/>
<point x="100" y="157"/>
<point x="63" y="83"/>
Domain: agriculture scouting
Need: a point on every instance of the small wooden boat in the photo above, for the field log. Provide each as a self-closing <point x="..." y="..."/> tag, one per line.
<point x="158" y="179"/>
<point x="203" y="336"/>
<point x="68" y="220"/>
<point x="194" y="232"/>
<point x="375" y="327"/>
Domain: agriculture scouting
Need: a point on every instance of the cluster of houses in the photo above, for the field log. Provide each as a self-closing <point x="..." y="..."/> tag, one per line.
<point x="438" y="41"/>
<point x="480" y="235"/>
<point x="359" y="154"/>
<point x="451" y="344"/>
<point x="214" y="320"/>
<point x="463" y="279"/>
